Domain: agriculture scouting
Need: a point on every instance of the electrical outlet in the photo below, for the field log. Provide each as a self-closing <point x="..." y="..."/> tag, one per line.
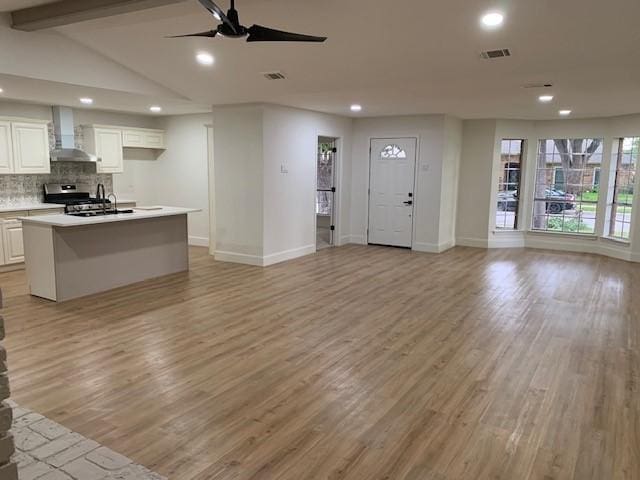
<point x="425" y="167"/>
<point x="284" y="169"/>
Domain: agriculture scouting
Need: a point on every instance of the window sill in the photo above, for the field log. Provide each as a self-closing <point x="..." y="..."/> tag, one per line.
<point x="618" y="241"/>
<point x="498" y="231"/>
<point x="581" y="236"/>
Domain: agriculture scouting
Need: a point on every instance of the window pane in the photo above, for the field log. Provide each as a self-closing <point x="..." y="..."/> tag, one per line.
<point x="623" y="173"/>
<point x="509" y="184"/>
<point x="566" y="188"/>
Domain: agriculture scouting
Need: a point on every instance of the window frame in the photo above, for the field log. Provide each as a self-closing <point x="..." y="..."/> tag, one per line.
<point x="504" y="179"/>
<point x="547" y="175"/>
<point x="613" y="203"/>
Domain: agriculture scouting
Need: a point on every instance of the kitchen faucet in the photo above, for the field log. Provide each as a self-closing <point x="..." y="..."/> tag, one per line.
<point x="100" y="195"/>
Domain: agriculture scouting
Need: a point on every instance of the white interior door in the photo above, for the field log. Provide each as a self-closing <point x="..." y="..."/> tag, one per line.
<point x="391" y="196"/>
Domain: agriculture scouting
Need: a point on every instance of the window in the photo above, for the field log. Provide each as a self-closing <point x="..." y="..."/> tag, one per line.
<point x="567" y="185"/>
<point x="623" y="164"/>
<point x="509" y="185"/>
<point x="393" y="151"/>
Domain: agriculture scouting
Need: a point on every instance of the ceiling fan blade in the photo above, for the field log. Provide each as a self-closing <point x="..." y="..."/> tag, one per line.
<point x="258" y="33"/>
<point x="208" y="33"/>
<point x="217" y="12"/>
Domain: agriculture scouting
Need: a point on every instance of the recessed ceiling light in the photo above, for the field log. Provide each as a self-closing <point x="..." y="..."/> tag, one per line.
<point x="1" y="90"/>
<point x="545" y="98"/>
<point x="86" y="101"/>
<point x="155" y="108"/>
<point x="564" y="113"/>
<point x="356" y="108"/>
<point x="205" y="58"/>
<point x="492" y="19"/>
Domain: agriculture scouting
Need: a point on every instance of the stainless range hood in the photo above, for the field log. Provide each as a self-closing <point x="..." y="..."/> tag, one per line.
<point x="65" y="150"/>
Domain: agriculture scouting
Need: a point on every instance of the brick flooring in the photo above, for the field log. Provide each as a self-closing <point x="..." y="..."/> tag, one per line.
<point x="45" y="450"/>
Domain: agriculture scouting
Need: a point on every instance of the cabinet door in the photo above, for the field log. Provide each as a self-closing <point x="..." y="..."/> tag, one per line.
<point x="153" y="140"/>
<point x="13" y="245"/>
<point x="6" y="150"/>
<point x="132" y="138"/>
<point x="30" y="147"/>
<point x="109" y="149"/>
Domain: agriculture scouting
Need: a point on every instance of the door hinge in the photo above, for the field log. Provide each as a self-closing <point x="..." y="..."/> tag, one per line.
<point x="333" y="189"/>
<point x="333" y="227"/>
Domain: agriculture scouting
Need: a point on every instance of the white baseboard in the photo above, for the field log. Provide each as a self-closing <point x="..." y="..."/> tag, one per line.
<point x="515" y="239"/>
<point x="472" y="242"/>
<point x="198" y="241"/>
<point x="264" y="261"/>
<point x="432" y="247"/>
<point x="232" y="257"/>
<point x="359" y="239"/>
<point x="287" y="255"/>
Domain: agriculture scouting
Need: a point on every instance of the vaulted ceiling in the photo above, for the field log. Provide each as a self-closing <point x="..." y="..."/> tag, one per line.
<point x="402" y="57"/>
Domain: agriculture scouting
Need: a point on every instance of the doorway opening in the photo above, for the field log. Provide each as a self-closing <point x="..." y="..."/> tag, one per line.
<point x="326" y="192"/>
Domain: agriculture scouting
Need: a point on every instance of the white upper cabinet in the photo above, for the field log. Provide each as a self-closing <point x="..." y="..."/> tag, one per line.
<point x="106" y="144"/>
<point x="6" y="148"/>
<point x="30" y="143"/>
<point x="143" y="138"/>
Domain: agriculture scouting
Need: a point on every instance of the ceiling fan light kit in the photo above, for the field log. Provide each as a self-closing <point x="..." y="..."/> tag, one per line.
<point x="230" y="27"/>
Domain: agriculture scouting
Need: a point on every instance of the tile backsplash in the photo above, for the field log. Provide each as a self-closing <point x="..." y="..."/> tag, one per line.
<point x="27" y="189"/>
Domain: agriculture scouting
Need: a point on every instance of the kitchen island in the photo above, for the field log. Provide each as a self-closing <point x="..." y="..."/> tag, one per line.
<point x="69" y="257"/>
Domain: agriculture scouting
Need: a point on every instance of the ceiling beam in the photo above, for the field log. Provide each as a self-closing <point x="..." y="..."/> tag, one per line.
<point x="66" y="12"/>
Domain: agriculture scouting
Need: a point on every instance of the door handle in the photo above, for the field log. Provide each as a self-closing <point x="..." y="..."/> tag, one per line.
<point x="408" y="202"/>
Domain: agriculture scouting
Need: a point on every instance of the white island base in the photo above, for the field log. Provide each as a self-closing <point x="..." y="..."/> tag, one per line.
<point x="69" y="257"/>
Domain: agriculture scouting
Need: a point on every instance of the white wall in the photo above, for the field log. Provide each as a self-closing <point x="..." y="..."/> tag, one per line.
<point x="478" y="181"/>
<point x="438" y="137"/>
<point x="474" y="191"/>
<point x="450" y="180"/>
<point x="238" y="160"/>
<point x="291" y="143"/>
<point x="176" y="176"/>
<point x="182" y="170"/>
<point x="265" y="180"/>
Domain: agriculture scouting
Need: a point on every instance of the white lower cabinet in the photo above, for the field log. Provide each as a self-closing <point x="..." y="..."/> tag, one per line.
<point x="13" y="244"/>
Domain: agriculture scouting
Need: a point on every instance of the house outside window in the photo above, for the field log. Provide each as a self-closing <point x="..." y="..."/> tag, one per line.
<point x="623" y="175"/>
<point x="566" y="188"/>
<point x="508" y="199"/>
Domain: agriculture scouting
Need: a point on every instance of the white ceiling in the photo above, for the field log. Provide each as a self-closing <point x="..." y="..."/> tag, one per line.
<point x="402" y="57"/>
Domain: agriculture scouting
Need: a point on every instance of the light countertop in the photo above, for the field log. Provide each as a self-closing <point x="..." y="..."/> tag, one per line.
<point x="29" y="206"/>
<point x="62" y="220"/>
<point x="23" y="207"/>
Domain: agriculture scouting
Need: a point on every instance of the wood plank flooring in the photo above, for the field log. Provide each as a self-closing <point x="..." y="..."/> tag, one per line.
<point x="355" y="363"/>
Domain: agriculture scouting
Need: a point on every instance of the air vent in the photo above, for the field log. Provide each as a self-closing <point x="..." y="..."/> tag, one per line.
<point x="274" y="75"/>
<point x="491" y="54"/>
<point x="538" y="85"/>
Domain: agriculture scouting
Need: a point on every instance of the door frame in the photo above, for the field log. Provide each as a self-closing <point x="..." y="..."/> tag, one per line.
<point x="416" y="171"/>
<point x="337" y="197"/>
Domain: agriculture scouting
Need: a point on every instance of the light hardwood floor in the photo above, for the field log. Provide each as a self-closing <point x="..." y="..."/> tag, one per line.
<point x="354" y="363"/>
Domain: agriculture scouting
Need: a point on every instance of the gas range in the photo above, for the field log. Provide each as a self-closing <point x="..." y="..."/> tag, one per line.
<point x="77" y="200"/>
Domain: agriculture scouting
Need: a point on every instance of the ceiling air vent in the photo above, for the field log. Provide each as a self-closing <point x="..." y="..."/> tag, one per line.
<point x="274" y="75"/>
<point x="537" y="85"/>
<point x="490" y="54"/>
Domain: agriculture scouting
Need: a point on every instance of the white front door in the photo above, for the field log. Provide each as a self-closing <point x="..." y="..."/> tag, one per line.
<point x="391" y="196"/>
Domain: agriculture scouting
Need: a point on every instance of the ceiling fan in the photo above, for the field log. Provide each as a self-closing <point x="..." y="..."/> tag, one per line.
<point x="230" y="27"/>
